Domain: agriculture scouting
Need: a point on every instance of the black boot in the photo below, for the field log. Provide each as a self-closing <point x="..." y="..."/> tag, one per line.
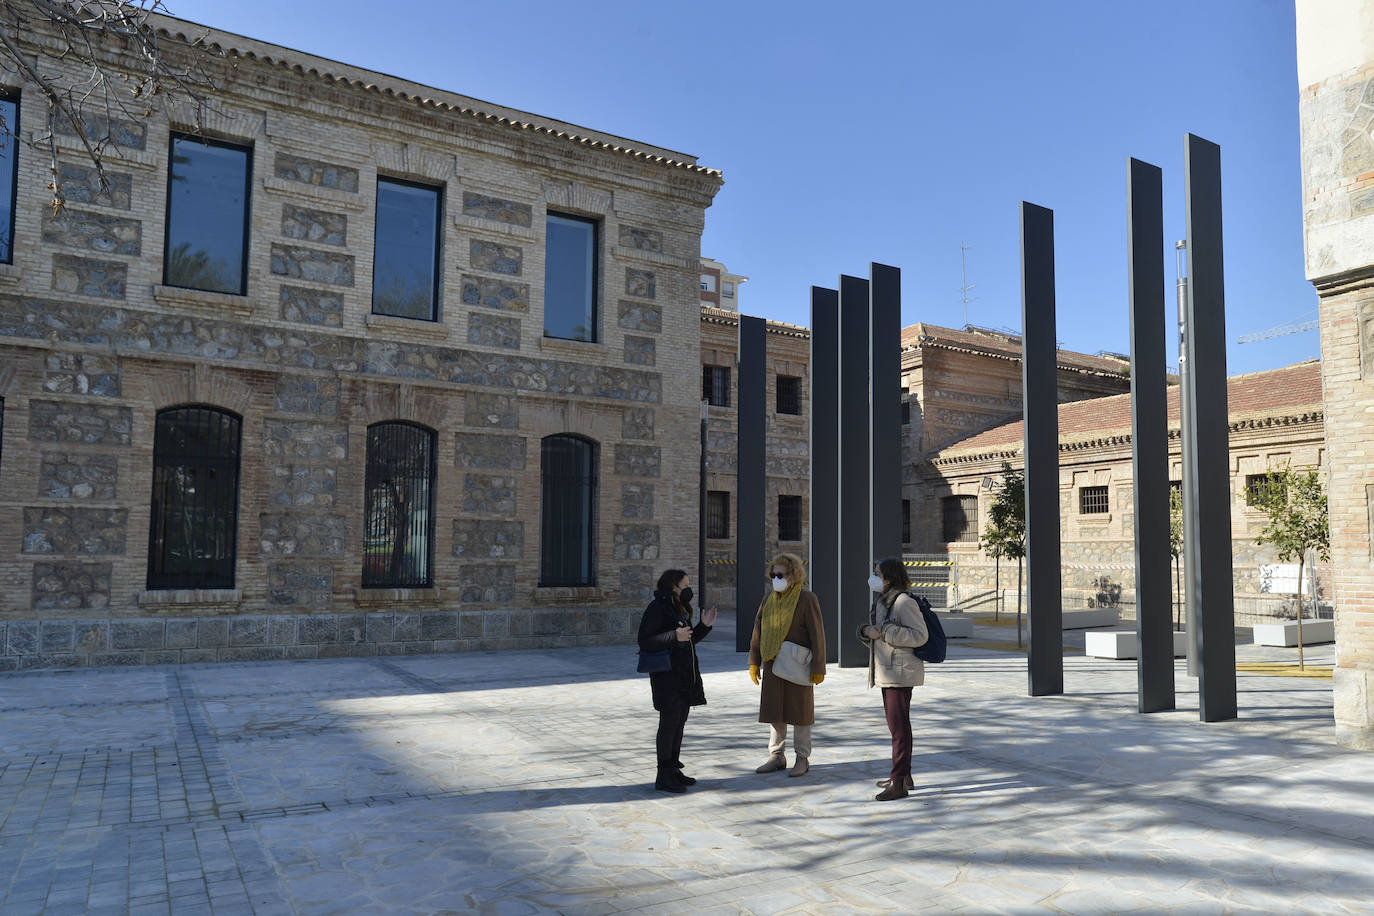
<point x="667" y="780"/>
<point x="681" y="776"/>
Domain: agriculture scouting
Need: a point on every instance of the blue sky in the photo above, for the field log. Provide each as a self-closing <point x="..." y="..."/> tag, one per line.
<point x="894" y="132"/>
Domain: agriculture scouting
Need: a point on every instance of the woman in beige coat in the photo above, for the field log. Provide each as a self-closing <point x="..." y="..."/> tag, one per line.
<point x="895" y="628"/>
<point x="790" y="613"/>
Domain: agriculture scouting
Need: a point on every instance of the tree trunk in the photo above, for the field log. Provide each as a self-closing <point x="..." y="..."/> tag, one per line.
<point x="997" y="586"/>
<point x="1301" y="558"/>
<point x="1178" y="599"/>
<point x="1019" y="561"/>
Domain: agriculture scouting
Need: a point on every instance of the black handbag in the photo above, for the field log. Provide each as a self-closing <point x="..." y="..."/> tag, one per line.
<point x="655" y="662"/>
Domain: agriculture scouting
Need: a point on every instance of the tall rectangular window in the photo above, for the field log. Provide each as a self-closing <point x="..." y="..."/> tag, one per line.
<point x="193" y="520"/>
<point x="789" y="518"/>
<point x="906" y="521"/>
<point x="959" y="518"/>
<point x="717" y="514"/>
<point x="1093" y="501"/>
<point x="906" y="407"/>
<point x="789" y="395"/>
<point x="567" y="549"/>
<point x="398" y="508"/>
<point x="405" y="259"/>
<point x="207" y="216"/>
<point x="570" y="278"/>
<point x="715" y="385"/>
<point x="9" y="173"/>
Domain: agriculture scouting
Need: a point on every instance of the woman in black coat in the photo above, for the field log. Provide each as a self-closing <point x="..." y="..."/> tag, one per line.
<point x="667" y="624"/>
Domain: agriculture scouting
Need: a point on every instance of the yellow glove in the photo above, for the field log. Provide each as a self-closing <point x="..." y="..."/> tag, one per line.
<point x="754" y="673"/>
<point x="817" y="678"/>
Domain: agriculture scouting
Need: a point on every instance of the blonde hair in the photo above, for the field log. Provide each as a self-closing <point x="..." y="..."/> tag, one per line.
<point x="796" y="568"/>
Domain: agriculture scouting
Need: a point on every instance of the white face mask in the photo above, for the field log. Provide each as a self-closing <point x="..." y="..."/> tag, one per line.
<point x="779" y="584"/>
<point x="876" y="583"/>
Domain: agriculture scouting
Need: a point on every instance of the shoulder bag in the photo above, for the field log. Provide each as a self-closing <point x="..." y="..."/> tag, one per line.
<point x="793" y="663"/>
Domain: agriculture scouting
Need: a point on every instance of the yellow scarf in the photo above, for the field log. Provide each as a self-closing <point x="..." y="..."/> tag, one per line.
<point x="778" y="609"/>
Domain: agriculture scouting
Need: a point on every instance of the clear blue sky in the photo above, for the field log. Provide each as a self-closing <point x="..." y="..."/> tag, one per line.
<point x="893" y="132"/>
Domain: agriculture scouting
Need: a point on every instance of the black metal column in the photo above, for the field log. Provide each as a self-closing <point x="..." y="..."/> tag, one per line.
<point x="1149" y="440"/>
<point x="885" y="357"/>
<point x="701" y="516"/>
<point x="1210" y="577"/>
<point x="1039" y="386"/>
<point x="825" y="462"/>
<point x="751" y="499"/>
<point x="856" y="556"/>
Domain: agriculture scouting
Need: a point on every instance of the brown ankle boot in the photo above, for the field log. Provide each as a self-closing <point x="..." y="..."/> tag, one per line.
<point x="891" y="793"/>
<point x="773" y="764"/>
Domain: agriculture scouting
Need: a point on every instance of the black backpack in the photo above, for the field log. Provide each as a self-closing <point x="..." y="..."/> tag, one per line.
<point x="933" y="651"/>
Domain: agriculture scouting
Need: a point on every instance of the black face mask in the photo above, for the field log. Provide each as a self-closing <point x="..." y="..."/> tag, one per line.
<point x="686" y="595"/>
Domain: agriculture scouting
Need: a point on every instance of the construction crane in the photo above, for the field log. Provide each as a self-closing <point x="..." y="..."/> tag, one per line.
<point x="1301" y="324"/>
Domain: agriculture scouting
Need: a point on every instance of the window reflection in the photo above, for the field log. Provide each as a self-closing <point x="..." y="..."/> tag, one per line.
<point x="9" y="162"/>
<point x="570" y="278"/>
<point x="405" y="262"/>
<point x="207" y="216"/>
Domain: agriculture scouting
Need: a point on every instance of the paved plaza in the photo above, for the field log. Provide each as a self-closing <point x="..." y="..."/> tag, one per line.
<point x="520" y="782"/>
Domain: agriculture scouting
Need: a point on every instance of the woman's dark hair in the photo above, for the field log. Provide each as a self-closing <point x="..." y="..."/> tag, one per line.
<point x="669" y="580"/>
<point x="894" y="571"/>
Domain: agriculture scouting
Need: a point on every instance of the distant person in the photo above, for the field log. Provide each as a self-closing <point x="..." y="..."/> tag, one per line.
<point x="790" y="614"/>
<point x="895" y="627"/>
<point x="667" y="624"/>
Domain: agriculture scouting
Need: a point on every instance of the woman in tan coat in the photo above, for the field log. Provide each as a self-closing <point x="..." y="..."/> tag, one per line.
<point x="895" y="628"/>
<point x="792" y="614"/>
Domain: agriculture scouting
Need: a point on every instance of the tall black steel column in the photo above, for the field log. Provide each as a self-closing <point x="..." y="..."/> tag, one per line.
<point x="752" y="494"/>
<point x="825" y="462"/>
<point x="1150" y="440"/>
<point x="1039" y="387"/>
<point x="701" y="516"/>
<point x="856" y="557"/>
<point x="1210" y="577"/>
<point x="885" y="357"/>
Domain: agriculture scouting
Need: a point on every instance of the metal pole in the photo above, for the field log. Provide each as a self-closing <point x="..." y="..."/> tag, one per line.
<point x="751" y="503"/>
<point x="701" y="516"/>
<point x="1039" y="386"/>
<point x="825" y="462"/>
<point x="1150" y="440"/>
<point x="1185" y="438"/>
<point x="885" y="420"/>
<point x="856" y="556"/>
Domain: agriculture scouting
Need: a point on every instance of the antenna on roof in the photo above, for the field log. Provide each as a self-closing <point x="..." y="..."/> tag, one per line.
<point x="963" y="276"/>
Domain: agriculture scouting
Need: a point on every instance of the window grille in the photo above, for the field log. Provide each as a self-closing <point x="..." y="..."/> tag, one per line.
<point x="789" y="395"/>
<point x="715" y="385"/>
<point x="906" y="407"/>
<point x="193" y="524"/>
<point x="906" y="521"/>
<point x="959" y="518"/>
<point x="1256" y="486"/>
<point x="717" y="514"/>
<point x="398" y="517"/>
<point x="789" y="518"/>
<point x="1093" y="501"/>
<point x="567" y="552"/>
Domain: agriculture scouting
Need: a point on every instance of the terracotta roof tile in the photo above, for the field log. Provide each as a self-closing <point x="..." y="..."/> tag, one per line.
<point x="1276" y="392"/>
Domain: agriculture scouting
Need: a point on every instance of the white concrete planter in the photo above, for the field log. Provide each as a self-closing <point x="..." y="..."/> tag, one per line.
<point x="1286" y="634"/>
<point x="1122" y="644"/>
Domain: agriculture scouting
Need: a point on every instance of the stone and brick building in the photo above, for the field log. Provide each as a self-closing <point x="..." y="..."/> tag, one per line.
<point x="1335" y="50"/>
<point x="343" y="365"/>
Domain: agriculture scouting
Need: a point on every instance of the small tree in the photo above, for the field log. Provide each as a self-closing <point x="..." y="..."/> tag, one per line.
<point x="1294" y="505"/>
<point x="1176" y="549"/>
<point x="1006" y="529"/>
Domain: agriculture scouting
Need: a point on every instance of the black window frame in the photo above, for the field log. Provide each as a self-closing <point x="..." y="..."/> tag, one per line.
<point x="1254" y="487"/>
<point x="906" y="521"/>
<point x="553" y="530"/>
<point x="12" y="129"/>
<point x="791" y="404"/>
<point x="906" y="406"/>
<point x="965" y="521"/>
<point x="715" y="385"/>
<point x="435" y="302"/>
<point x="595" y="318"/>
<point x="376" y="454"/>
<point x="718" y="514"/>
<point x="247" y="150"/>
<point x="789" y="517"/>
<point x="218" y="571"/>
<point x="1094" y="500"/>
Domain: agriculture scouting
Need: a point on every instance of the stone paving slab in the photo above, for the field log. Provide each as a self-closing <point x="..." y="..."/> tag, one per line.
<point x="520" y="782"/>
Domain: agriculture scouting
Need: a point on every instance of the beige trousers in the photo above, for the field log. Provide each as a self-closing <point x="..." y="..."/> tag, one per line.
<point x="777" y="739"/>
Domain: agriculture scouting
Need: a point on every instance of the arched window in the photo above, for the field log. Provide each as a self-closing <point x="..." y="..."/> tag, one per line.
<point x="398" y="540"/>
<point x="193" y="529"/>
<point x="567" y="554"/>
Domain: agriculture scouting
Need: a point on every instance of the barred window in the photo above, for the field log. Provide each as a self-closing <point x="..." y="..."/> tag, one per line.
<point x="717" y="514"/>
<point x="906" y="521"/>
<point x="1256" y="487"/>
<point x="398" y="540"/>
<point x="959" y="518"/>
<point x="906" y="407"/>
<point x="789" y="518"/>
<point x="789" y="395"/>
<point x="567" y="552"/>
<point x="1093" y="501"/>
<point x="715" y="385"/>
<point x="207" y="215"/>
<point x="193" y="523"/>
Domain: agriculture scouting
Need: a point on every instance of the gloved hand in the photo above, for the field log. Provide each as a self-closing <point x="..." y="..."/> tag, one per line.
<point x="817" y="678"/>
<point x="754" y="673"/>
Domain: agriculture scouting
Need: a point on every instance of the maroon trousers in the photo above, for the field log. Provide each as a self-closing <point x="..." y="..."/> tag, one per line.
<point x="897" y="706"/>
